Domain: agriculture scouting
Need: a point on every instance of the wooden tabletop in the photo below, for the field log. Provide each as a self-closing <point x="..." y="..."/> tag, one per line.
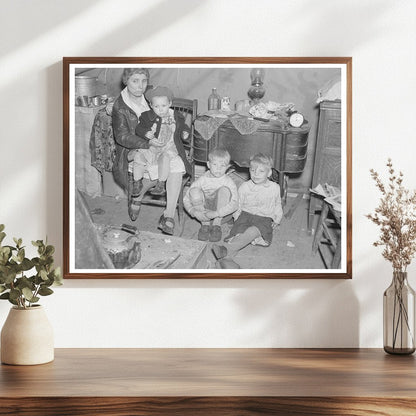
<point x="197" y="381"/>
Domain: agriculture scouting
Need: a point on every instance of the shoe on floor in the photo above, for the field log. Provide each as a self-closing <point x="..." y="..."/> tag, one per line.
<point x="227" y="264"/>
<point x="166" y="224"/>
<point x="215" y="234"/>
<point x="204" y="232"/>
<point x="219" y="251"/>
<point x="134" y="209"/>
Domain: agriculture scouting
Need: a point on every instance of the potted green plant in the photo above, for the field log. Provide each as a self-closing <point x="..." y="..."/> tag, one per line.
<point x="26" y="336"/>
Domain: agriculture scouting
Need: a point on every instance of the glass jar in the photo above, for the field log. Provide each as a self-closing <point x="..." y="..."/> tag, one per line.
<point x="214" y="100"/>
<point x="399" y="316"/>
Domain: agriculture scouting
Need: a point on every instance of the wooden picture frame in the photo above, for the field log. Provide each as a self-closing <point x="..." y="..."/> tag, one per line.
<point x="318" y="88"/>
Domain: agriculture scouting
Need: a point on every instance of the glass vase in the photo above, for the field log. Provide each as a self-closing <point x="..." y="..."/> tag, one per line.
<point x="399" y="316"/>
<point x="256" y="91"/>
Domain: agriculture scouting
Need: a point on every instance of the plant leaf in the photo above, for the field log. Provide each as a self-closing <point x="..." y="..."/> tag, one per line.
<point x="45" y="291"/>
<point x="43" y="274"/>
<point x="26" y="264"/>
<point x="18" y="242"/>
<point x="15" y="294"/>
<point x="7" y="297"/>
<point x="57" y="277"/>
<point x="21" y="254"/>
<point x="49" y="250"/>
<point x="8" y="277"/>
<point x="15" y="285"/>
<point x="27" y="293"/>
<point x="25" y="282"/>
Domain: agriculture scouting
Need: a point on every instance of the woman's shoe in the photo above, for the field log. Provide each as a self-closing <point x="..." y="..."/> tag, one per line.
<point x="166" y="224"/>
<point x="134" y="209"/>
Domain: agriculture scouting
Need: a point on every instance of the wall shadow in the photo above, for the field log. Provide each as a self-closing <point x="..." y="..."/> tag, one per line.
<point x="160" y="16"/>
<point x="44" y="15"/>
<point x="54" y="167"/>
<point x="301" y="314"/>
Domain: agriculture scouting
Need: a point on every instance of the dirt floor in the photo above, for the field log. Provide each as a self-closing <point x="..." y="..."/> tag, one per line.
<point x="291" y="247"/>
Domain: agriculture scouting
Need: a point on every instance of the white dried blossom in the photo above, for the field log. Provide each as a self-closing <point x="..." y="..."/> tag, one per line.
<point x="396" y="216"/>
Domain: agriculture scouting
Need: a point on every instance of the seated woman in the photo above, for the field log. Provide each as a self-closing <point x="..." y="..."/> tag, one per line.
<point x="125" y="116"/>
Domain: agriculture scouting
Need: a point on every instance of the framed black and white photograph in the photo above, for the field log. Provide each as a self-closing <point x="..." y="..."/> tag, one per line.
<point x="207" y="167"/>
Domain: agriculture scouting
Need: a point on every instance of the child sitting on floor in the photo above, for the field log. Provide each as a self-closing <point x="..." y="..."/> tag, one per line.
<point x="260" y="211"/>
<point x="212" y="196"/>
<point x="162" y="126"/>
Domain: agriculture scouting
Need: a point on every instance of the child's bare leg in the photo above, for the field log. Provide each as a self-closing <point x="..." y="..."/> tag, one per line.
<point x="197" y="199"/>
<point x="173" y="188"/>
<point x="230" y="250"/>
<point x="223" y="198"/>
<point x="226" y="253"/>
<point x="166" y="221"/>
<point x="242" y="240"/>
<point x="163" y="166"/>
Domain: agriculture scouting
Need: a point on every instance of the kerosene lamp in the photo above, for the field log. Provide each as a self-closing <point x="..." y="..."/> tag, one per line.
<point x="256" y="91"/>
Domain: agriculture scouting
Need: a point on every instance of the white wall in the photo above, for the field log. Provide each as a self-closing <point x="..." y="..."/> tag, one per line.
<point x="380" y="36"/>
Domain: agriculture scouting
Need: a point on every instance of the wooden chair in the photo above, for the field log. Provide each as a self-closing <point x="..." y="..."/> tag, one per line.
<point x="189" y="110"/>
<point x="328" y="236"/>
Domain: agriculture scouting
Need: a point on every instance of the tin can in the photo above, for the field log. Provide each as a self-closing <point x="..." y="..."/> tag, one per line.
<point x="85" y="85"/>
<point x="225" y="103"/>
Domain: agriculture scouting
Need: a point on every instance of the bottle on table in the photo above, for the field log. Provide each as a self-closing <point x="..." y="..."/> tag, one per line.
<point x="214" y="100"/>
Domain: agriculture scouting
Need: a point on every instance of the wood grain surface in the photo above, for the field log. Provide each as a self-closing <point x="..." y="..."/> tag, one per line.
<point x="212" y="382"/>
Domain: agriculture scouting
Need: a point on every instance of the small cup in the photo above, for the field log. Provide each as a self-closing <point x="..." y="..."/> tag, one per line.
<point x="96" y="100"/>
<point x="85" y="100"/>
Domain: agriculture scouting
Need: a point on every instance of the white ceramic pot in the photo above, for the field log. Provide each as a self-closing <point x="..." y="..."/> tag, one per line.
<point x="27" y="337"/>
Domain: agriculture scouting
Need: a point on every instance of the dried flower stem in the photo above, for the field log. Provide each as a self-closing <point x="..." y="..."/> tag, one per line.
<point x="396" y="216"/>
